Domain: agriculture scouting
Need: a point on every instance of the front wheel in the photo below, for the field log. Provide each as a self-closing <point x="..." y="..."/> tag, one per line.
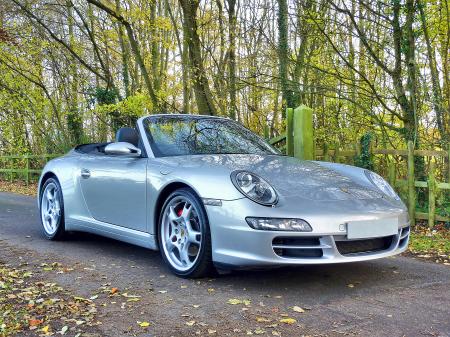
<point x="184" y="235"/>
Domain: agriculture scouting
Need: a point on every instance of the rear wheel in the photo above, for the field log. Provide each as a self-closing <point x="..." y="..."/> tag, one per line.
<point x="184" y="235"/>
<point x="52" y="210"/>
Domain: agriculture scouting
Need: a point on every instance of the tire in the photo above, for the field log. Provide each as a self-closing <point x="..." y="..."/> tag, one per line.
<point x="185" y="245"/>
<point x="51" y="210"/>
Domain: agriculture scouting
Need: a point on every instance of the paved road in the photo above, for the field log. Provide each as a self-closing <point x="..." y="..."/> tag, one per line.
<point x="397" y="296"/>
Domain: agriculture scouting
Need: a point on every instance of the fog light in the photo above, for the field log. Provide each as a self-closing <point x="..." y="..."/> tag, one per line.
<point x="277" y="224"/>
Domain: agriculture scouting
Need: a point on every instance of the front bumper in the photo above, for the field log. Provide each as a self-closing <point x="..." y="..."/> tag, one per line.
<point x="236" y="245"/>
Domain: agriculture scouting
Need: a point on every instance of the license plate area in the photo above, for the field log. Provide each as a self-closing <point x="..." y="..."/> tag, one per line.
<point x="365" y="229"/>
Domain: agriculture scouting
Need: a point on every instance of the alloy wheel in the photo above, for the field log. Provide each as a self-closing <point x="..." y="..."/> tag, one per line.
<point x="181" y="233"/>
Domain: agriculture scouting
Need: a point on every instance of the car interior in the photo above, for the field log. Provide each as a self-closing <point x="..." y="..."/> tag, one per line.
<point x="125" y="134"/>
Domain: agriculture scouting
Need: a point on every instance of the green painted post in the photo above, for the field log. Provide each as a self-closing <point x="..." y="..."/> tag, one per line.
<point x="431" y="194"/>
<point x="303" y="133"/>
<point x="290" y="132"/>
<point x="411" y="184"/>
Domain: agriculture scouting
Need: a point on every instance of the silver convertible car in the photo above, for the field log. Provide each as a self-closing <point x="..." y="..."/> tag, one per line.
<point x="208" y="193"/>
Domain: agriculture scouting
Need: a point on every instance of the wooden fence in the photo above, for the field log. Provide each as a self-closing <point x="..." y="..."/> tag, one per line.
<point x="300" y="126"/>
<point x="27" y="166"/>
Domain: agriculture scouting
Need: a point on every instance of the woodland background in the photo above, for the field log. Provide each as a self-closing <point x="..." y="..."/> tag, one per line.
<point x="73" y="71"/>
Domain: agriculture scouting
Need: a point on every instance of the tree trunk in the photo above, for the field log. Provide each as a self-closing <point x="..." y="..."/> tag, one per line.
<point x="125" y="53"/>
<point x="203" y="95"/>
<point x="232" y="27"/>
<point x="74" y="120"/>
<point x="134" y="47"/>
<point x="283" y="55"/>
<point x="438" y="100"/>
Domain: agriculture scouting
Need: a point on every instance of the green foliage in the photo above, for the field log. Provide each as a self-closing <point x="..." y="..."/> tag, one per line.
<point x="104" y="96"/>
<point x="430" y="242"/>
<point x="75" y="74"/>
<point x="365" y="159"/>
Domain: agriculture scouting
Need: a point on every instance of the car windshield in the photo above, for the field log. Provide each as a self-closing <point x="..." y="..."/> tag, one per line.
<point x="177" y="136"/>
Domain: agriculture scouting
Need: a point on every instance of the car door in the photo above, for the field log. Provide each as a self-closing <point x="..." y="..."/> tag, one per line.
<point x="114" y="188"/>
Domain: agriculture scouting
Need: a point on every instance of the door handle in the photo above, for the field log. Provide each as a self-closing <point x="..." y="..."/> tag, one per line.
<point x="85" y="173"/>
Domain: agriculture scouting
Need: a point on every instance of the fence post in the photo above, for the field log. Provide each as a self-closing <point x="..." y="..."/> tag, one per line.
<point x="303" y="133"/>
<point x="326" y="155"/>
<point x="336" y="153"/>
<point x="27" y="168"/>
<point x="266" y="131"/>
<point x="448" y="161"/>
<point x="431" y="194"/>
<point x="11" y="179"/>
<point x="289" y="132"/>
<point x="391" y="171"/>
<point x="411" y="184"/>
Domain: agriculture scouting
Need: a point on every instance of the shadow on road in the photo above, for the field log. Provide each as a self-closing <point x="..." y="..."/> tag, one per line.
<point x="325" y="279"/>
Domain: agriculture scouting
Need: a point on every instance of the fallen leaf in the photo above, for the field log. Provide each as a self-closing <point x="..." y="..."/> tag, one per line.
<point x="262" y="319"/>
<point x="134" y="299"/>
<point x="234" y="301"/>
<point x="190" y="323"/>
<point x="114" y="290"/>
<point x="34" y="322"/>
<point x="144" y="324"/>
<point x="211" y="331"/>
<point x="288" y="320"/>
<point x="297" y="309"/>
<point x="259" y="331"/>
<point x="45" y="329"/>
<point x="64" y="330"/>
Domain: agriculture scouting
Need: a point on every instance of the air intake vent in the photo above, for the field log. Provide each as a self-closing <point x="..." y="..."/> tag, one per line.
<point x="295" y="247"/>
<point x="350" y="247"/>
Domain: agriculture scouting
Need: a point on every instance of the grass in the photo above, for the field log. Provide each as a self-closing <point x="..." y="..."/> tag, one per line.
<point x="433" y="244"/>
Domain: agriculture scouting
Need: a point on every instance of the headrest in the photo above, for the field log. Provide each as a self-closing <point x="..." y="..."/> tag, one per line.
<point x="128" y="135"/>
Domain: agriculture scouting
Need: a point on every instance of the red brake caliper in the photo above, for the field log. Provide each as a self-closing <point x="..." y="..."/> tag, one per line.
<point x="180" y="211"/>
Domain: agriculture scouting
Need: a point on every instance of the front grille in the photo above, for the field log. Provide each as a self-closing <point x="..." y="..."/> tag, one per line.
<point x="295" y="247"/>
<point x="364" y="246"/>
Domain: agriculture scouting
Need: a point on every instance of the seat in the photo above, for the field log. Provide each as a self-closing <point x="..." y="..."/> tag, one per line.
<point x="128" y="135"/>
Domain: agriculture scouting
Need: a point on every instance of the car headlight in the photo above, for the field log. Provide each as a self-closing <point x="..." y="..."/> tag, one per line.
<point x="255" y="188"/>
<point x="381" y="184"/>
<point x="277" y="224"/>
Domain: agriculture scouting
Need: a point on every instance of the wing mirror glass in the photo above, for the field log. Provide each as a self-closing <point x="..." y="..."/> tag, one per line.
<point x="122" y="149"/>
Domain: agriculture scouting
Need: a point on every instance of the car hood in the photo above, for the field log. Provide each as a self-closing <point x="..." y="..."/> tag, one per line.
<point x="290" y="176"/>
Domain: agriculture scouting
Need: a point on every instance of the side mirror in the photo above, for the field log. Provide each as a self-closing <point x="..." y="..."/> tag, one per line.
<point x="122" y="149"/>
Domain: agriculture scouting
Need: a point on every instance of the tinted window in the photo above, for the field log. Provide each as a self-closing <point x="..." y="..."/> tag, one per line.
<point x="176" y="136"/>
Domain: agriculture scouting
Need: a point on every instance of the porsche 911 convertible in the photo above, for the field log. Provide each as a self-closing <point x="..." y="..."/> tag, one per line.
<point x="208" y="193"/>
